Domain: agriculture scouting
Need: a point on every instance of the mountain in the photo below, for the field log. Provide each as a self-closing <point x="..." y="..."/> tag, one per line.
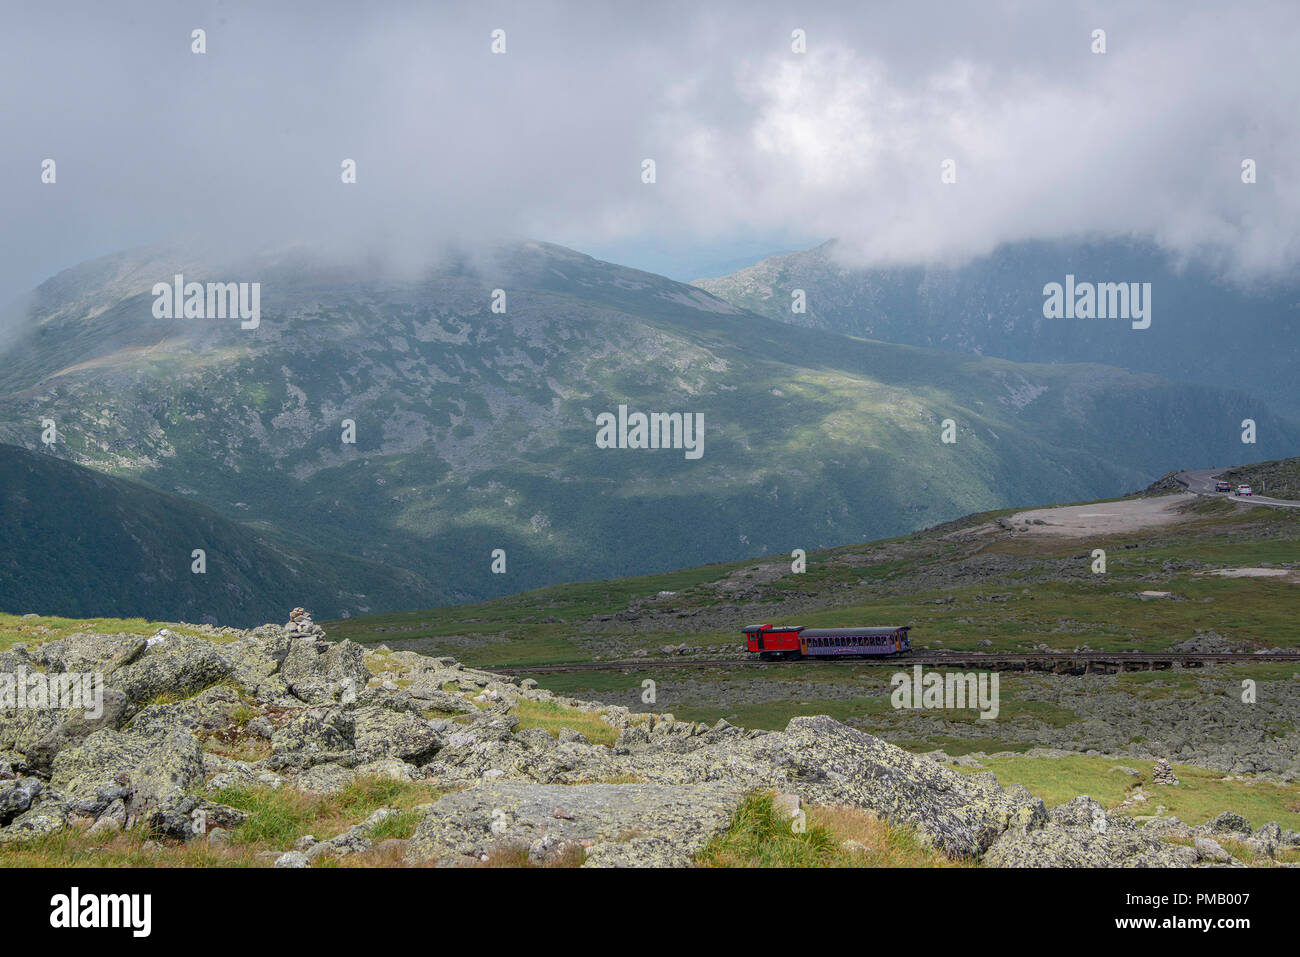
<point x="75" y="542"/>
<point x="1203" y="330"/>
<point x="477" y="430"/>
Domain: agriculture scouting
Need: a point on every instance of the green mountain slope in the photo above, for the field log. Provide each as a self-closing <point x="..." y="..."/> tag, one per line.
<point x="1203" y="329"/>
<point x="74" y="542"/>
<point x="987" y="581"/>
<point x="476" y="430"/>
<point x="1184" y="573"/>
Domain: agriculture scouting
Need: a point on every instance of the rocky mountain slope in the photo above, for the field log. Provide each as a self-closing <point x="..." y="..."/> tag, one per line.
<point x="192" y="715"/>
<point x="1203" y="329"/>
<point x="476" y="430"/>
<point x="77" y="542"/>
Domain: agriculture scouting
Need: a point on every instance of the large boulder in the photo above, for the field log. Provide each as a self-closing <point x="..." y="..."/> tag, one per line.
<point x="17" y="796"/>
<point x="21" y="729"/>
<point x="826" y="762"/>
<point x="1267" y="839"/>
<point x="1082" y="811"/>
<point x="1230" y="823"/>
<point x="1067" y="846"/>
<point x="42" y="733"/>
<point x="256" y="659"/>
<point x="173" y="666"/>
<point x="383" y="733"/>
<point x="647" y="824"/>
<point x="319" y="672"/>
<point x="156" y="770"/>
<point x="45" y="817"/>
<point x="316" y="730"/>
<point x="324" y="778"/>
<point x="90" y="652"/>
<point x="213" y="709"/>
<point x="429" y="694"/>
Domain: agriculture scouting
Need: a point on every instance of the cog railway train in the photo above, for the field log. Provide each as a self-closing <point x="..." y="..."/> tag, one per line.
<point x="778" y="642"/>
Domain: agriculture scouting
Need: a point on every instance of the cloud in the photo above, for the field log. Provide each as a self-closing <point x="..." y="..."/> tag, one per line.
<point x="244" y="143"/>
<point x="1147" y="139"/>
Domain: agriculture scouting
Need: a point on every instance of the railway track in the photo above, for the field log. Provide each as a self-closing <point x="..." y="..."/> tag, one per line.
<point x="1059" y="662"/>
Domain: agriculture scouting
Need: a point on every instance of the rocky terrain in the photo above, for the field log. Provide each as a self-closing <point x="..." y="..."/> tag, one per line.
<point x="1212" y="576"/>
<point x="1191" y="716"/>
<point x="191" y="713"/>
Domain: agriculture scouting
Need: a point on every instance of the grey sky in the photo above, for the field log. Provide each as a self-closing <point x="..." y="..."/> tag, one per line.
<point x="758" y="149"/>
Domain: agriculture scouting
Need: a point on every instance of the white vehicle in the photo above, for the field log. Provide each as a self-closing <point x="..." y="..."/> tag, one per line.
<point x="1245" y="490"/>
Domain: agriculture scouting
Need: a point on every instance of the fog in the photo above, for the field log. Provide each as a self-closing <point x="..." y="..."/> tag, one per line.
<point x="757" y="148"/>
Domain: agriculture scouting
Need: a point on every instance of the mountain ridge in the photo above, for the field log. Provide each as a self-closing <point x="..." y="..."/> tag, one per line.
<point x="76" y="542"/>
<point x="475" y="431"/>
<point x="993" y="305"/>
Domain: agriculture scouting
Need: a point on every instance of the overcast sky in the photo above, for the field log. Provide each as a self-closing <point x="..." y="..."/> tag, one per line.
<point x="758" y="149"/>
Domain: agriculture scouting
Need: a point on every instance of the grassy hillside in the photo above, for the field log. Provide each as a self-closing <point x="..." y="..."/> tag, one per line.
<point x="476" y="430"/>
<point x="993" y="306"/>
<point x="77" y="543"/>
<point x="1221" y="576"/>
<point x="1278" y="479"/>
<point x="957" y="584"/>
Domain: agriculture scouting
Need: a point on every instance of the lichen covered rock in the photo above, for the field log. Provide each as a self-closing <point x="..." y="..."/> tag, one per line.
<point x="625" y="824"/>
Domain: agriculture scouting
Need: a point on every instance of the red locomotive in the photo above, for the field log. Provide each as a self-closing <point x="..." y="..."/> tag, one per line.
<point x="778" y="642"/>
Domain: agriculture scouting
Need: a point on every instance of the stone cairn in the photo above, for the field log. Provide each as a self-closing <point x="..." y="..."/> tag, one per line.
<point x="1162" y="773"/>
<point x="300" y="624"/>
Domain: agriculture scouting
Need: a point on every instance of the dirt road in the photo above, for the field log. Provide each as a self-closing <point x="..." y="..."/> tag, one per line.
<point x="1103" y="518"/>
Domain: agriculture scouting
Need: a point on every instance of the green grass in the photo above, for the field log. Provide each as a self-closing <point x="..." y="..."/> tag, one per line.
<point x="279" y="816"/>
<point x="760" y="836"/>
<point x="551" y="717"/>
<point x="1200" y="796"/>
<point x="775" y="715"/>
<point x="17" y="629"/>
<point x="1052" y="598"/>
<point x="73" y="848"/>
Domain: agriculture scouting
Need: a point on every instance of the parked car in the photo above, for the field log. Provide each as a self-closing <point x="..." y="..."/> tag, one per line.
<point x="1223" y="486"/>
<point x="1245" y="490"/>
